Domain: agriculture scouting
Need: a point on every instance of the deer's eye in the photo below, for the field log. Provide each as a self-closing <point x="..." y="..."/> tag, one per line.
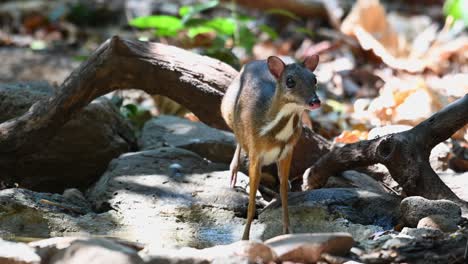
<point x="290" y="83"/>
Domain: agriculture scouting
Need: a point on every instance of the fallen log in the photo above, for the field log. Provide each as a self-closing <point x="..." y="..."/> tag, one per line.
<point x="194" y="81"/>
<point x="198" y="83"/>
<point x="405" y="154"/>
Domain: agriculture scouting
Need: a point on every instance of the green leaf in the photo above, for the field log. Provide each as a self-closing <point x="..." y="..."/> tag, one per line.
<point x="80" y="57"/>
<point x="222" y="54"/>
<point x="195" y="22"/>
<point x="225" y="26"/>
<point x="187" y="12"/>
<point x="166" y="32"/>
<point x="270" y="31"/>
<point x="184" y="10"/>
<point x="244" y="18"/>
<point x="282" y="12"/>
<point x="246" y="38"/>
<point x="158" y="22"/>
<point x="131" y="109"/>
<point x="458" y="9"/>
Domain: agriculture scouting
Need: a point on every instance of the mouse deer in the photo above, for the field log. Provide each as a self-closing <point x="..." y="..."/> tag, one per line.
<point x="263" y="107"/>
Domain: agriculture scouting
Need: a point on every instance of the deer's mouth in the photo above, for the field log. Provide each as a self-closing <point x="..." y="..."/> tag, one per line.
<point x="313" y="106"/>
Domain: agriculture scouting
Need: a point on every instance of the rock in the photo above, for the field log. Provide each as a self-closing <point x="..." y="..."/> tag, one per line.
<point x="24" y="211"/>
<point x="438" y="222"/>
<point x="47" y="248"/>
<point x="213" y="144"/>
<point x="96" y="250"/>
<point x="307" y="248"/>
<point x="158" y="254"/>
<point x="397" y="242"/>
<point x="233" y="260"/>
<point x="254" y="252"/>
<point x="415" y="208"/>
<point x="30" y="214"/>
<point x="238" y="252"/>
<point x="17" y="98"/>
<point x="81" y="149"/>
<point x="175" y="259"/>
<point x="355" y="179"/>
<point x="421" y="233"/>
<point x="358" y="212"/>
<point x="17" y="253"/>
<point x="183" y="205"/>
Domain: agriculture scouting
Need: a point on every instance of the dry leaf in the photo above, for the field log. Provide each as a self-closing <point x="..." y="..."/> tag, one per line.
<point x="352" y="136"/>
<point x="370" y="16"/>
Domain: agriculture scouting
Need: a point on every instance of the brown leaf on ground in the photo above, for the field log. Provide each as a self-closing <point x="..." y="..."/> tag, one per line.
<point x="369" y="16"/>
<point x="352" y="136"/>
<point x="423" y="48"/>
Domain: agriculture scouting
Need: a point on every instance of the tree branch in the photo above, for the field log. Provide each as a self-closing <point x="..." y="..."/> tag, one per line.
<point x="194" y="81"/>
<point x="405" y="154"/>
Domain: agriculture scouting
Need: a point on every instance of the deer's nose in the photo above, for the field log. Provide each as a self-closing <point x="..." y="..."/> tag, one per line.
<point x="314" y="102"/>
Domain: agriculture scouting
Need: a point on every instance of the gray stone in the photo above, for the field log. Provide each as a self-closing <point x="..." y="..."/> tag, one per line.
<point x="97" y="251"/>
<point x="421" y="233"/>
<point x="25" y="213"/>
<point x="193" y="207"/>
<point x="233" y="260"/>
<point x="355" y="179"/>
<point x="397" y="242"/>
<point x="17" y="253"/>
<point x="415" y="208"/>
<point x="17" y="98"/>
<point x="307" y="248"/>
<point x="210" y="143"/>
<point x="158" y="254"/>
<point x="254" y="252"/>
<point x="358" y="212"/>
<point x="81" y="149"/>
<point x="438" y="222"/>
<point x="241" y="251"/>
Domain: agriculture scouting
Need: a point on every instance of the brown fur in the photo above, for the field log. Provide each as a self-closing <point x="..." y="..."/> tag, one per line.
<point x="258" y="106"/>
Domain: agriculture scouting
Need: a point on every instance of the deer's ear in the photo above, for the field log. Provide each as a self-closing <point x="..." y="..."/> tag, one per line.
<point x="276" y="66"/>
<point x="311" y="62"/>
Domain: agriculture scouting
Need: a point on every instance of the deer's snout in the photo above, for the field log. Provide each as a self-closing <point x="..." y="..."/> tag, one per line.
<point x="313" y="102"/>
